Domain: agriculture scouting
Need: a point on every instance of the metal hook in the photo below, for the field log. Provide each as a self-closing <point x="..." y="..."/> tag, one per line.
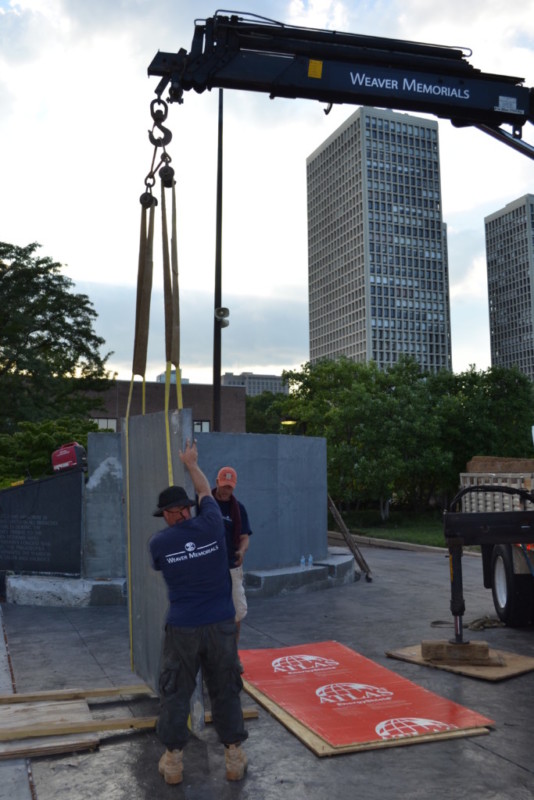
<point x="159" y="115"/>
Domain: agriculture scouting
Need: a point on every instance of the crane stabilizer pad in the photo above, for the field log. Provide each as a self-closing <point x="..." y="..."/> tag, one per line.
<point x="500" y="664"/>
<point x="337" y="701"/>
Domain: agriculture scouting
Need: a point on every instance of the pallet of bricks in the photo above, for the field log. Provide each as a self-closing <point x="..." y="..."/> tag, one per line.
<point x="485" y="470"/>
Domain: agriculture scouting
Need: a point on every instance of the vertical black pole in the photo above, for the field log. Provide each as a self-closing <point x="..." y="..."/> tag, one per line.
<point x="218" y="282"/>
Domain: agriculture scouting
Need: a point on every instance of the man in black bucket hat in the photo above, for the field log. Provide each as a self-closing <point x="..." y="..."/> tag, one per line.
<point x="172" y="497"/>
<point x="200" y="627"/>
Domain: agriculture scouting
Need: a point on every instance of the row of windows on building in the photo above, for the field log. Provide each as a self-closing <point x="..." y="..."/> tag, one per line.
<point x="110" y="424"/>
<point x="392" y="164"/>
<point x="398" y="149"/>
<point x="408" y="128"/>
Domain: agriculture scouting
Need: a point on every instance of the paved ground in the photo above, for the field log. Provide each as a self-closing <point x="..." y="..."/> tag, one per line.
<point x="55" y="648"/>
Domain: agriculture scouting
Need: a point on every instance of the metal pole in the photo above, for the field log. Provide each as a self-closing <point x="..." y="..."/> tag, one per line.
<point x="218" y="281"/>
<point x="457" y="591"/>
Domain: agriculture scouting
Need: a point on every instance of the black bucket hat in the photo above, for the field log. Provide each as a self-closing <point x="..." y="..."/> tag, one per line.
<point x="172" y="497"/>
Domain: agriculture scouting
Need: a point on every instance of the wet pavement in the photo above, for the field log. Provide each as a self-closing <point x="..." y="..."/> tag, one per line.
<point x="407" y="602"/>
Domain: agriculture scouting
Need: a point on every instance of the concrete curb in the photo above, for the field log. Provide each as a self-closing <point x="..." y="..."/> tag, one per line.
<point x="392" y="544"/>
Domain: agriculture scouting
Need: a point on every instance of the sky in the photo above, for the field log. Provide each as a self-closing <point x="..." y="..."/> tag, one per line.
<point x="74" y="152"/>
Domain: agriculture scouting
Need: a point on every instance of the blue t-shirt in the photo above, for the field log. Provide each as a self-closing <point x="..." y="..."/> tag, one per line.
<point x="192" y="557"/>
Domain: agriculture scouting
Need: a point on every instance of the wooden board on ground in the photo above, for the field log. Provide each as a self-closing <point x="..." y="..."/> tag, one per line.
<point x="76" y="694"/>
<point x="322" y="748"/>
<point x="337" y="701"/>
<point x="502" y="664"/>
<point x="24" y="715"/>
<point x="60" y="721"/>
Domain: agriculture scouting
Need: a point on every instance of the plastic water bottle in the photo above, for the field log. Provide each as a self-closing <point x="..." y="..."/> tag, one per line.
<point x="310" y="560"/>
<point x="302" y="562"/>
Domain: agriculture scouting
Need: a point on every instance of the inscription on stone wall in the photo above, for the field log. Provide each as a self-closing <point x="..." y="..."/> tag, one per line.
<point x="40" y="526"/>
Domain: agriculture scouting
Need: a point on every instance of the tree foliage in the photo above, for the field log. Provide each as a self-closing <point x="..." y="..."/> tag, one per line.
<point x="27" y="453"/>
<point x="49" y="352"/>
<point x="263" y="413"/>
<point x="403" y="434"/>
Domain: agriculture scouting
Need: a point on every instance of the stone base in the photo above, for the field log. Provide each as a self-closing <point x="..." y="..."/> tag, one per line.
<point x="334" y="570"/>
<point x="40" y="590"/>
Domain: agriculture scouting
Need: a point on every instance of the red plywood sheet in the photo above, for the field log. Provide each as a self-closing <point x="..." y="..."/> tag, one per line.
<point x="347" y="699"/>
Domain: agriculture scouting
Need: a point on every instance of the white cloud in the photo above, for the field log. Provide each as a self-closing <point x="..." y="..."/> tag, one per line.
<point x="74" y="115"/>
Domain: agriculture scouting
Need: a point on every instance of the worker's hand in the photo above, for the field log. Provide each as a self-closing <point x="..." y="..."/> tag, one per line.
<point x="189" y="456"/>
<point x="239" y="556"/>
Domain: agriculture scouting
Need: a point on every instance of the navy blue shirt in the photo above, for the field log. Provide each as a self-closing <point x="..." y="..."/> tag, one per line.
<point x="192" y="557"/>
<point x="224" y="505"/>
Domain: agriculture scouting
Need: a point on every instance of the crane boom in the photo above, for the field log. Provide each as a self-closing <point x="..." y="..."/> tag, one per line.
<point x="257" y="54"/>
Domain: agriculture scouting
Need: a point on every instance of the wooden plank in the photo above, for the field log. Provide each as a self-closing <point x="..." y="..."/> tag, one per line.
<point x="60" y="728"/>
<point x="248" y="713"/>
<point x="26" y="715"/>
<point x="61" y="719"/>
<point x="322" y="748"/>
<point x="502" y="664"/>
<point x="347" y="536"/>
<point x="76" y="694"/>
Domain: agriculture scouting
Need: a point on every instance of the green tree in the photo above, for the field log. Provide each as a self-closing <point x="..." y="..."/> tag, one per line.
<point x="415" y="434"/>
<point x="345" y="402"/>
<point x="405" y="434"/>
<point x="49" y="351"/>
<point x="27" y="453"/>
<point x="263" y="413"/>
<point x="482" y="413"/>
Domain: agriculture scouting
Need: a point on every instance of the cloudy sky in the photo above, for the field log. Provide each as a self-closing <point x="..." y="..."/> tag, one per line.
<point x="74" y="117"/>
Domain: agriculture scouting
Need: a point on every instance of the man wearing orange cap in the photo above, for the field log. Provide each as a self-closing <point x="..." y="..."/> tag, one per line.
<point x="238" y="531"/>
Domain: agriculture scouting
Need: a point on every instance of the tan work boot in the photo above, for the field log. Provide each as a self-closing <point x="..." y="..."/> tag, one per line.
<point x="171" y="766"/>
<point x="236" y="762"/>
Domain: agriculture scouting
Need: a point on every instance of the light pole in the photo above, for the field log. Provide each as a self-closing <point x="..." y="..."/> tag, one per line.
<point x="217" y="320"/>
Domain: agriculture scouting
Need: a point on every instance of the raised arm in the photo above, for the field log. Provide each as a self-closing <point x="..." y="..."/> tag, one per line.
<point x="189" y="458"/>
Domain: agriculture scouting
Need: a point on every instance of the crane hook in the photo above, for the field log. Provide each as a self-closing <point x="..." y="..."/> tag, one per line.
<point x="159" y="115"/>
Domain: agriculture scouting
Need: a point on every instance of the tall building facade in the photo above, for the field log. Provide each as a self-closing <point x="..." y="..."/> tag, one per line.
<point x="377" y="255"/>
<point x="510" y="264"/>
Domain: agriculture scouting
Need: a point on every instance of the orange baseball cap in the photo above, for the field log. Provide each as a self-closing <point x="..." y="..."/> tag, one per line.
<point x="227" y="476"/>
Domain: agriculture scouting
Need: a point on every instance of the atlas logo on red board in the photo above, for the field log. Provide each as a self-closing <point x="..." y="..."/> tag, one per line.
<point x="411" y="726"/>
<point x="343" y="694"/>
<point x="303" y="663"/>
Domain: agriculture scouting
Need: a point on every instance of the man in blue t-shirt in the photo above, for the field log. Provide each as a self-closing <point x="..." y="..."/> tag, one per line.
<point x="200" y="626"/>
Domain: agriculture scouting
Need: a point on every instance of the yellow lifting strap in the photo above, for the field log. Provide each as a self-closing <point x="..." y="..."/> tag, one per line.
<point x="171" y="300"/>
<point x="142" y="324"/>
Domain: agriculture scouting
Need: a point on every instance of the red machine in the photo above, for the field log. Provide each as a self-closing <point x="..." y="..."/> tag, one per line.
<point x="69" y="456"/>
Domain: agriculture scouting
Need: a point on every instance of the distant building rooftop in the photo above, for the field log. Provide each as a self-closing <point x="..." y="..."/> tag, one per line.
<point x="255" y="384"/>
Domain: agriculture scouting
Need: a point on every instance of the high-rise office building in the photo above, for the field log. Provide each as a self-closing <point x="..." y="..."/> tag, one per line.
<point x="510" y="263"/>
<point x="377" y="254"/>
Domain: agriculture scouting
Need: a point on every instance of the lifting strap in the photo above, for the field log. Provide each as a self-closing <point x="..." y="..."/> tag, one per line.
<point x="172" y="315"/>
<point x="142" y="324"/>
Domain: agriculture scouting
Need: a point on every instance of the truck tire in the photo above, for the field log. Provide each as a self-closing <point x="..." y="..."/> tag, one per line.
<point x="512" y="594"/>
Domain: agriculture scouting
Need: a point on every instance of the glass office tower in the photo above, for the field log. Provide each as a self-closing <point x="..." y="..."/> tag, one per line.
<point x="377" y="254"/>
<point x="510" y="262"/>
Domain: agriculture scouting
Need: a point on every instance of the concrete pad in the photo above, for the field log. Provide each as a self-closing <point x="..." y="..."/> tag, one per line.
<point x="334" y="570"/>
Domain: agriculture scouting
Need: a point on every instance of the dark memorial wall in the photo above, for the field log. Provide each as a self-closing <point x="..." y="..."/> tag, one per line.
<point x="41" y="526"/>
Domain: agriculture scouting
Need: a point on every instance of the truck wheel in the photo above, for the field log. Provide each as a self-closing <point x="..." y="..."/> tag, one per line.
<point x="512" y="594"/>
